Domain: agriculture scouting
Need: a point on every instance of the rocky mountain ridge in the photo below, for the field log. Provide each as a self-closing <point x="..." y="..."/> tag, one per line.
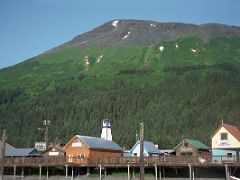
<point x="120" y="33"/>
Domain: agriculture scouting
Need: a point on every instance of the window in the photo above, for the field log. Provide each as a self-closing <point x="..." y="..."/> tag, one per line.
<point x="224" y="136"/>
<point x="185" y="144"/>
<point x="70" y="158"/>
<point x="186" y="154"/>
<point x="80" y="156"/>
<point x="229" y="155"/>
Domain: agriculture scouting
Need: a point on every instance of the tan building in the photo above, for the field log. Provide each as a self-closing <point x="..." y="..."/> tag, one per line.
<point x="54" y="151"/>
<point x="226" y="143"/>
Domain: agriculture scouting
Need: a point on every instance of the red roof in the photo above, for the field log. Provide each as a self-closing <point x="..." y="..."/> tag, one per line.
<point x="234" y="130"/>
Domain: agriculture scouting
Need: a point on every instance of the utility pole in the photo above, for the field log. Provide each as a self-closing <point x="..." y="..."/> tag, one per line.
<point x="141" y="151"/>
<point x="3" y="154"/>
<point x="46" y="124"/>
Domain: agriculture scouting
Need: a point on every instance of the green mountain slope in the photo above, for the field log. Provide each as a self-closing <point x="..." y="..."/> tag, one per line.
<point x="185" y="90"/>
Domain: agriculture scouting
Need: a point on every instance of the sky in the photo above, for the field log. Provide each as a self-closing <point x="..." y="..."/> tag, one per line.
<point x="31" y="27"/>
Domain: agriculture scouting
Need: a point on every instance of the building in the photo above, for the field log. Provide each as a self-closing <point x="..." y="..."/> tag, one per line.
<point x="81" y="148"/>
<point x="226" y="143"/>
<point x="149" y="149"/>
<point x="22" y="152"/>
<point x="106" y="130"/>
<point x="54" y="151"/>
<point x="190" y="147"/>
<point x="7" y="146"/>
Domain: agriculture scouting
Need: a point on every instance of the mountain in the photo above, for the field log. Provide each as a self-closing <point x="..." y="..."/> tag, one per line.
<point x="179" y="79"/>
<point x="124" y="32"/>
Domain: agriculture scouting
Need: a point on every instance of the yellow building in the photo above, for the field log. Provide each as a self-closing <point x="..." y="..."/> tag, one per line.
<point x="226" y="143"/>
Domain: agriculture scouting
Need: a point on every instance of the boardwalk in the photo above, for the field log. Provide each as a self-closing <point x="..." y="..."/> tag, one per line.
<point x="157" y="163"/>
<point x="115" y="162"/>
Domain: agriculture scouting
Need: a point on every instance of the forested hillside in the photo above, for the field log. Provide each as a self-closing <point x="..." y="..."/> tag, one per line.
<point x="181" y="88"/>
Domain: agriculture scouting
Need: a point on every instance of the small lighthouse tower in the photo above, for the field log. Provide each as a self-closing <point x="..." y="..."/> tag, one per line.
<point x="106" y="130"/>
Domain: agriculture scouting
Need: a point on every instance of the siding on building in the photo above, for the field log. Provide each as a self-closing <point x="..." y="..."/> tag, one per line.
<point x="80" y="148"/>
<point x="232" y="142"/>
<point x="54" y="151"/>
<point x="221" y="155"/>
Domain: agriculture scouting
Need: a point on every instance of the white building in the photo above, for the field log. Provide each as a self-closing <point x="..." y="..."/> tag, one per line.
<point x="106" y="130"/>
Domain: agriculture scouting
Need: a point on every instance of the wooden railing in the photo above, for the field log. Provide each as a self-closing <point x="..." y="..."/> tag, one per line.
<point x="121" y="161"/>
<point x="147" y="160"/>
<point x="35" y="161"/>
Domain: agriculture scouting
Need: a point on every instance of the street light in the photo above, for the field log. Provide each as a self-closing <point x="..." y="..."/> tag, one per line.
<point x="46" y="124"/>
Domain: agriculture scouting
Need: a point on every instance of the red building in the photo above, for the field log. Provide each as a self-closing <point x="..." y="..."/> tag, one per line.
<point x="189" y="147"/>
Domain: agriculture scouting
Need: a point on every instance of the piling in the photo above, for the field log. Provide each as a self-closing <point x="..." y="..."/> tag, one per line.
<point x="72" y="172"/>
<point x="160" y="173"/>
<point x="100" y="172"/>
<point x="66" y="166"/>
<point x="156" y="173"/>
<point x="190" y="171"/>
<point x="40" y="172"/>
<point x="14" y="172"/>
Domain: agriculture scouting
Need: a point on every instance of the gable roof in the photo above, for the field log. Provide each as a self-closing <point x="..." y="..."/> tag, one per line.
<point x="59" y="149"/>
<point x="20" y="152"/>
<point x="197" y="144"/>
<point x="234" y="130"/>
<point x="149" y="147"/>
<point x="97" y="143"/>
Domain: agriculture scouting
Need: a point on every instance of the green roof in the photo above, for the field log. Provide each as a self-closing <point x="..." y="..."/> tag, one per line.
<point x="197" y="144"/>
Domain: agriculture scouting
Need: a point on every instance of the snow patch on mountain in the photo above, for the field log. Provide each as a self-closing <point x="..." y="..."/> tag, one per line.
<point x="161" y="48"/>
<point x="99" y="58"/>
<point x="153" y="25"/>
<point x="86" y="62"/>
<point x="193" y="50"/>
<point x="127" y="35"/>
<point x="115" y="23"/>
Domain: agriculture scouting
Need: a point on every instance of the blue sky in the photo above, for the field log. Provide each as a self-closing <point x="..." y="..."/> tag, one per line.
<point x="30" y="27"/>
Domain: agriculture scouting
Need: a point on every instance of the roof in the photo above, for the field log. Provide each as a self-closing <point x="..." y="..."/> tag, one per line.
<point x="197" y="144"/>
<point x="7" y="146"/>
<point x="127" y="154"/>
<point x="233" y="129"/>
<point x="57" y="148"/>
<point x="20" y="152"/>
<point x="149" y="147"/>
<point x="98" y="143"/>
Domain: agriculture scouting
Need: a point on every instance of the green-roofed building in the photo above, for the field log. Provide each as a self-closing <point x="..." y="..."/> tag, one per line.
<point x="190" y="147"/>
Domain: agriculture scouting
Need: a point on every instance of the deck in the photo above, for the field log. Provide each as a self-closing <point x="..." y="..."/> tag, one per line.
<point x="163" y="161"/>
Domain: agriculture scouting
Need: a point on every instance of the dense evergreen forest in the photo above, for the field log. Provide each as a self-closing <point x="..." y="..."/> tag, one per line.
<point x="172" y="110"/>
